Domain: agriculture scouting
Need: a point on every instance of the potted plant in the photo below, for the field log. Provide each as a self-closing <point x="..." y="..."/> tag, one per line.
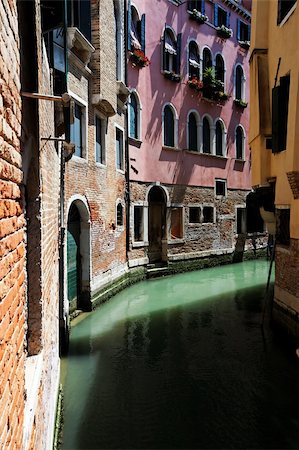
<point x="170" y="75"/>
<point x="224" y="32"/>
<point x="195" y="84"/>
<point x="244" y="44"/>
<point x="241" y="103"/>
<point x="198" y="16"/>
<point x="212" y="88"/>
<point x="138" y="58"/>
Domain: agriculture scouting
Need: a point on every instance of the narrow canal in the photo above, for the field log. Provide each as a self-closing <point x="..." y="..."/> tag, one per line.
<point x="181" y="363"/>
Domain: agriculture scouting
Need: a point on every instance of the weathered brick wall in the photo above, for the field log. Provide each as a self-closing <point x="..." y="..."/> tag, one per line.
<point x="287" y="268"/>
<point x="12" y="247"/>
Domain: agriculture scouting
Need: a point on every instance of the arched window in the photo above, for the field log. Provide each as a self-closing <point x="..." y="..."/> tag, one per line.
<point x="219" y="138"/>
<point x="239" y="83"/>
<point x="206" y="59"/>
<point x="206" y="135"/>
<point x="169" y="126"/>
<point x="170" y="54"/>
<point x="193" y="60"/>
<point x="219" y="70"/>
<point x="119" y="215"/>
<point x="133" y="117"/>
<point x="192" y="132"/>
<point x="240" y="141"/>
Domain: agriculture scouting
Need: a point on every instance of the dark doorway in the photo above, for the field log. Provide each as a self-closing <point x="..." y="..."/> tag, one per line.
<point x="156" y="223"/>
<point x="74" y="267"/>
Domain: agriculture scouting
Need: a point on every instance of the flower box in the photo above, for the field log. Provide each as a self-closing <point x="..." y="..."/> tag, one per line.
<point x="195" y="84"/>
<point x="138" y="58"/>
<point x="171" y="76"/>
<point x="198" y="16"/>
<point x="224" y="32"/>
<point x="240" y="103"/>
<point x="244" y="44"/>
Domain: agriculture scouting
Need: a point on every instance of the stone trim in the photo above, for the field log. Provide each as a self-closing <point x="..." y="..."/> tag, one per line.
<point x="293" y="178"/>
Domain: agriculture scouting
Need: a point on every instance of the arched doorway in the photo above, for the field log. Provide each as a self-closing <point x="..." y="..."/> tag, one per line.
<point x="78" y="257"/>
<point x="156" y="224"/>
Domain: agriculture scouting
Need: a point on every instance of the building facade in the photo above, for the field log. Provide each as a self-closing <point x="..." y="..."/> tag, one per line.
<point x="273" y="140"/>
<point x="188" y="113"/>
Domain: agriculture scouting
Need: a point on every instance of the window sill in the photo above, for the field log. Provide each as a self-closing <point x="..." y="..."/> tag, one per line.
<point x="171" y="76"/>
<point x="135" y="142"/>
<point x="101" y="165"/>
<point x="139" y="244"/>
<point x="194" y="152"/>
<point x="77" y="41"/>
<point x="79" y="159"/>
<point x="121" y="171"/>
<point x="176" y="241"/>
<point x="166" y="147"/>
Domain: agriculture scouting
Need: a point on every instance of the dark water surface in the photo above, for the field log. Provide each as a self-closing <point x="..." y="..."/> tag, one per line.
<point x="181" y="363"/>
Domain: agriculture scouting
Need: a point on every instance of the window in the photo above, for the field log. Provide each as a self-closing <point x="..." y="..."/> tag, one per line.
<point x="193" y="60"/>
<point x="221" y="17"/>
<point x="206" y="59"/>
<point x="243" y="31"/>
<point x="169" y="127"/>
<point x="79" y="16"/>
<point x="283" y="226"/>
<point x="119" y="149"/>
<point x="136" y="31"/>
<point x="239" y="83"/>
<point x="177" y="223"/>
<point x="192" y="132"/>
<point x="100" y="145"/>
<point x="118" y="42"/>
<point x="206" y="135"/>
<point x="219" y="70"/>
<point x="280" y="108"/>
<point x="240" y="138"/>
<point x="133" y="116"/>
<point x="219" y="138"/>
<point x="208" y="214"/>
<point x="171" y="51"/>
<point x="220" y="188"/>
<point x="199" y="5"/>
<point x="241" y="220"/>
<point x="77" y="130"/>
<point x="284" y="6"/>
<point x="138" y="224"/>
<point x="119" y="215"/>
<point x="194" y="214"/>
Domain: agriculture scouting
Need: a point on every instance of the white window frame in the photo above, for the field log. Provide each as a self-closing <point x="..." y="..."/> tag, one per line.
<point x="224" y="63"/>
<point x="139" y="117"/>
<point x="224" y="138"/>
<point x="198" y="128"/>
<point x="119" y="201"/>
<point x="223" y="180"/>
<point x="143" y="205"/>
<point x="175" y="118"/>
<point x="104" y="124"/>
<point x="243" y="143"/>
<point x="208" y="205"/>
<point x="84" y="106"/>
<point x="195" y="205"/>
<point x="116" y="126"/>
<point x="177" y="240"/>
<point x="212" y="135"/>
<point x="243" y="83"/>
<point x="243" y="207"/>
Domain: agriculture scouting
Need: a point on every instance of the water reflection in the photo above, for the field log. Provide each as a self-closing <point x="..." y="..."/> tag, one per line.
<point x="181" y="363"/>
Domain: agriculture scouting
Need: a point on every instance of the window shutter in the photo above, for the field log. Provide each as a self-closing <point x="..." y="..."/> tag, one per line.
<point x="203" y="7"/>
<point x="248" y="32"/>
<point x="178" y="55"/>
<point x="283" y="110"/>
<point x="228" y="19"/>
<point x="129" y="25"/>
<point x="216" y="15"/>
<point x="238" y="29"/>
<point x="85" y="19"/>
<point x="275" y="119"/>
<point x="143" y="33"/>
<point x="163" y="49"/>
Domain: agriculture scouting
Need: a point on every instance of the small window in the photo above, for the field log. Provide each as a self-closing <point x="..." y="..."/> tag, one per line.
<point x="133" y="116"/>
<point x="170" y="54"/>
<point x="208" y="214"/>
<point x="119" y="149"/>
<point x="77" y="130"/>
<point x="221" y="17"/>
<point x="193" y="132"/>
<point x="198" y="5"/>
<point x="241" y="220"/>
<point x="194" y="214"/>
<point x="176" y="223"/>
<point x="284" y="6"/>
<point x="243" y="31"/>
<point x="219" y="71"/>
<point x="280" y="110"/>
<point x="206" y="59"/>
<point x="100" y="133"/>
<point x="135" y="29"/>
<point x="239" y="83"/>
<point x="138" y="224"/>
<point x="193" y="61"/>
<point x="206" y="135"/>
<point x="169" y="127"/>
<point x="219" y="138"/>
<point x="220" y="188"/>
<point x="239" y="143"/>
<point x="119" y="215"/>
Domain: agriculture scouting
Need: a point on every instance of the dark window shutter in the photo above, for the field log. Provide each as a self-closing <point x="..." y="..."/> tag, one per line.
<point x="168" y="127"/>
<point x="216" y="15"/>
<point x="228" y="19"/>
<point x="238" y="29"/>
<point x="142" y="33"/>
<point x="129" y="44"/>
<point x="248" y="32"/>
<point x="275" y="119"/>
<point x="280" y="106"/>
<point x="85" y="19"/>
<point x="163" y="48"/>
<point x="203" y="7"/>
<point x="178" y="55"/>
<point x="192" y="131"/>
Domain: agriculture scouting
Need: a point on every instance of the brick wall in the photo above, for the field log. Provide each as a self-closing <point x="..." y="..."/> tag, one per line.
<point x="12" y="239"/>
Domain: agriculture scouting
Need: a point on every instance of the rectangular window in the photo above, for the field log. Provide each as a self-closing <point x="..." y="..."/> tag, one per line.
<point x="284" y="6"/>
<point x="222" y="17"/>
<point x="194" y="214"/>
<point x="119" y="149"/>
<point x="196" y="4"/>
<point x="244" y="33"/>
<point x="280" y="107"/>
<point x="241" y="220"/>
<point x="220" y="188"/>
<point x="138" y="224"/>
<point x="176" y="223"/>
<point x="77" y="130"/>
<point x="208" y="214"/>
<point x="100" y="149"/>
<point x="79" y="16"/>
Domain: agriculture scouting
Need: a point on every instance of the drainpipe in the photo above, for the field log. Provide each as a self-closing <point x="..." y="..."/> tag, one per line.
<point x="127" y="171"/>
<point x="63" y="316"/>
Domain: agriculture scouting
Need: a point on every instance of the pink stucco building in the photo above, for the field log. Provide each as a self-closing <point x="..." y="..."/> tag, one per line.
<point x="189" y="161"/>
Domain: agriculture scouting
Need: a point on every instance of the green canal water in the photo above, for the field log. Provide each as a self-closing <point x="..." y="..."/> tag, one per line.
<point x="181" y="363"/>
